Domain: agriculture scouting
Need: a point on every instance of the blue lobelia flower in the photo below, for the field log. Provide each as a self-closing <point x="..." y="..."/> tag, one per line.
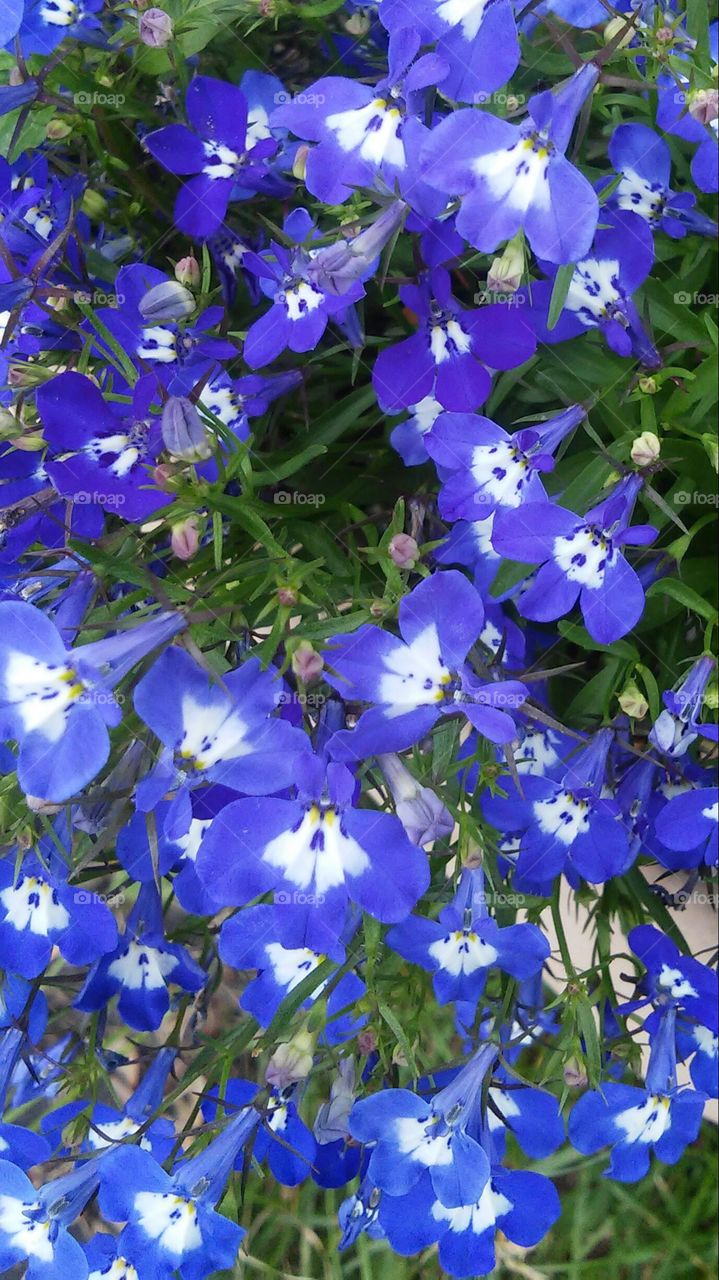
<point x="674" y="980"/>
<point x="171" y="1220"/>
<point x="282" y="1138"/>
<point x="678" y="725"/>
<point x="517" y="176"/>
<point x="688" y="824"/>
<point x="316" y="853"/>
<point x="600" y="294"/>
<point x="690" y="113"/>
<point x="219" y="150"/>
<point x="483" y="467"/>
<point x="301" y="307"/>
<point x="447" y="359"/>
<point x="568" y="825"/>
<point x="462" y="946"/>
<point x="108" y="1259"/>
<point x="140" y="968"/>
<point x="273" y="941"/>
<point x="522" y="1206"/>
<point x="477" y="40"/>
<point x="108" y="1125"/>
<point x="644" y="161"/>
<point x="34" y="1222"/>
<point x="46" y="23"/>
<point x="218" y="731"/>
<point x="416" y="680"/>
<point x="18" y="1144"/>
<point x="412" y="1136"/>
<point x="57" y="703"/>
<point x="39" y="910"/>
<point x="633" y="1121"/>
<point x="581" y="558"/>
<point x="100" y="451"/>
<point x="368" y="135"/>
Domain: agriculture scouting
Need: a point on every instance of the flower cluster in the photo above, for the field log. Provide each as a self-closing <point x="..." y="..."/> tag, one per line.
<point x="295" y="782"/>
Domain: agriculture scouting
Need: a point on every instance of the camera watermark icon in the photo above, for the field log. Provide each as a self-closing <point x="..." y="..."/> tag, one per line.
<point x="510" y="299"/>
<point x="512" y="101"/>
<point x="298" y="898"/>
<point x="84" y="898"/>
<point x="685" y="299"/>
<point x="282" y="99"/>
<point x="98" y="99"/>
<point x="97" y="298"/>
<point x="84" y="497"/>
<point x="694" y="897"/>
<point x="311" y="700"/>
<point x="286" y="499"/>
<point x="695" y="497"/>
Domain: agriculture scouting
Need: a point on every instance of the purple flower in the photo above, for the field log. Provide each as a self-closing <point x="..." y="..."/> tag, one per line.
<point x="218" y="150"/>
<point x="601" y="291"/>
<point x="99" y="451"/>
<point x="416" y="680"/>
<point x="644" y="161"/>
<point x="301" y="305"/>
<point x="581" y="559"/>
<point x="448" y="358"/>
<point x="368" y="135"/>
<point x="478" y="41"/>
<point x="484" y="468"/>
<point x="517" y="176"/>
<point x="691" y="113"/>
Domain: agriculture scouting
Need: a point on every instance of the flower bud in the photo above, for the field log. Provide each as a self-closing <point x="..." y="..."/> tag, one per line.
<point x="633" y="702"/>
<point x="56" y="130"/>
<point x="9" y="425"/>
<point x="185" y="539"/>
<point x="645" y="449"/>
<point x="155" y="28"/>
<point x="421" y="812"/>
<point x="358" y="24"/>
<point x="94" y="205"/>
<point x="162" y="476"/>
<point x="166" y="302"/>
<point x="367" y="1041"/>
<point x="287" y="596"/>
<point x="505" y="273"/>
<point x="183" y="433"/>
<point x="404" y="551"/>
<point x="187" y="272"/>
<point x="612" y="29"/>
<point x="307" y="663"/>
<point x="299" y="164"/>
<point x="664" y="35"/>
<point x="649" y="386"/>
<point x="704" y="106"/>
<point x="575" y="1077"/>
<point x="291" y="1062"/>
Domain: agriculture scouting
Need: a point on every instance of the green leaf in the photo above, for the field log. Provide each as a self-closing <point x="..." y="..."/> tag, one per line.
<point x="395" y="1025"/>
<point x="684" y="595"/>
<point x="560" y="289"/>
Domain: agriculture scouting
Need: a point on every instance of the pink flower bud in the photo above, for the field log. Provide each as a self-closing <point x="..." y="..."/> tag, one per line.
<point x="155" y="28"/>
<point x="187" y="272"/>
<point x="307" y="663"/>
<point x="185" y="539"/>
<point x="704" y="106"/>
<point x="404" y="551"/>
<point x="286" y="596"/>
<point x="162" y="476"/>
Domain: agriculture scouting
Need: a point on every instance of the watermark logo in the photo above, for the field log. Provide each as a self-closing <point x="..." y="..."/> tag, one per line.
<point x="695" y="497"/>
<point x="286" y="499"/>
<point x="84" y="497"/>
<point x="99" y="99"/>
<point x="685" y="299"/>
<point x="283" y="99"/>
<point x="84" y="898"/>
<point x="299" y="899"/>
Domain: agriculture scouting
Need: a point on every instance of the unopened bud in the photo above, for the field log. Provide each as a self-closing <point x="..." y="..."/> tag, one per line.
<point x="358" y="25"/>
<point x="155" y="28"/>
<point x="633" y="702"/>
<point x="183" y="433"/>
<point x="291" y="1062"/>
<point x="56" y="130"/>
<point x="94" y="205"/>
<point x="575" y="1077"/>
<point x="185" y="539"/>
<point x="32" y="442"/>
<point x="711" y="697"/>
<point x="649" y="386"/>
<point x="9" y="425"/>
<point x="163" y="475"/>
<point x="612" y="29"/>
<point x="299" y="164"/>
<point x="404" y="551"/>
<point x="505" y="273"/>
<point x="645" y="449"/>
<point x="187" y="272"/>
<point x="166" y="303"/>
<point x="422" y="814"/>
<point x="367" y="1041"/>
<point x="287" y="596"/>
<point x="307" y="663"/>
<point x="664" y="35"/>
<point x="704" y="106"/>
